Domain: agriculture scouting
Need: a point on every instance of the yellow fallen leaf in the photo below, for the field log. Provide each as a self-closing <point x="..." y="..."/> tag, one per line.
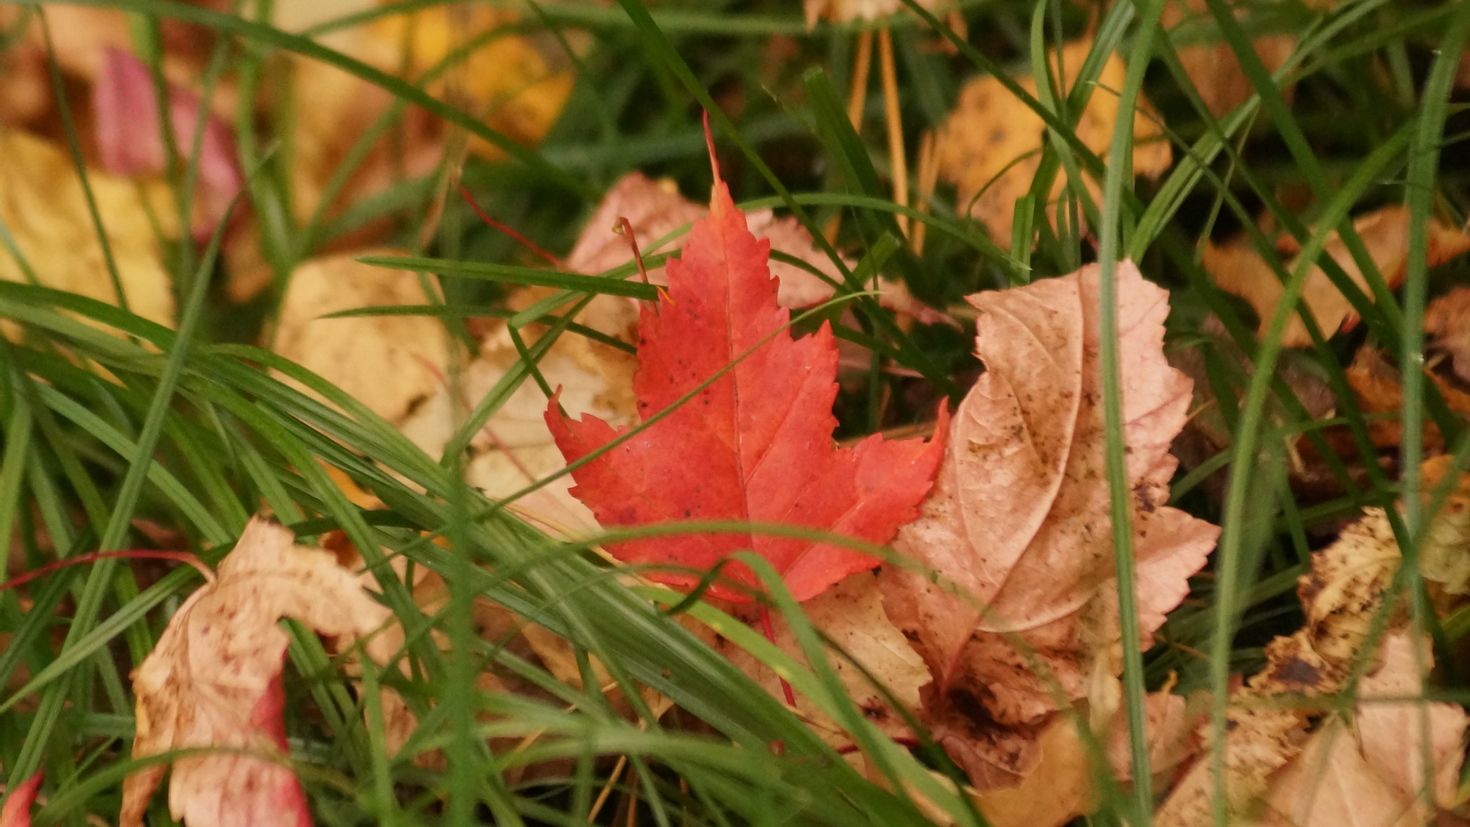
<point x="1237" y="267"/>
<point x="510" y="80"/>
<point x="213" y="681"/>
<point x="389" y="363"/>
<point x="990" y="146"/>
<point x="44" y="208"/>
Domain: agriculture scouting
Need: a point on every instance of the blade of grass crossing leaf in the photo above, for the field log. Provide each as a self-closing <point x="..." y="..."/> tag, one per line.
<point x="89" y="603"/>
<point x="1423" y="167"/>
<point x="1119" y="174"/>
<point x="1228" y="556"/>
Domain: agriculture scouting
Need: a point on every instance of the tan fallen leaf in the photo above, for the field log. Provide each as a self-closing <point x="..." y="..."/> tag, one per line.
<point x="390" y="363"/>
<point x="1018" y="529"/>
<point x="1212" y="65"/>
<point x="990" y="146"/>
<point x="1238" y="268"/>
<point x="514" y="448"/>
<point x="44" y="208"/>
<point x="658" y="212"/>
<point x="851" y="615"/>
<point x="213" y="681"/>
<point x="844" y="11"/>
<point x="1341" y="596"/>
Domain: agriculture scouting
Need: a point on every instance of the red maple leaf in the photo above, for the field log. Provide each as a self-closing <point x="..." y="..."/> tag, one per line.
<point x="755" y="444"/>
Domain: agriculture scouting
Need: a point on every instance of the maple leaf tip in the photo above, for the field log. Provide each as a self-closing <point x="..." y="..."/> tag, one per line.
<point x="714" y="159"/>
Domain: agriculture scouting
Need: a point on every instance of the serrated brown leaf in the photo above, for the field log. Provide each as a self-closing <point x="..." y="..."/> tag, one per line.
<point x="1237" y="267"/>
<point x="1019" y="530"/>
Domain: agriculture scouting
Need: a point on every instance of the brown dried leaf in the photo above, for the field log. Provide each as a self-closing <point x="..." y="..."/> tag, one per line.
<point x="1447" y="321"/>
<point x="213" y="681"/>
<point x="1019" y="525"/>
<point x="43" y="206"/>
<point x="391" y="364"/>
<point x="991" y="144"/>
<point x="1212" y="66"/>
<point x="1370" y="772"/>
<point x="1238" y="268"/>
<point x="1341" y="596"/>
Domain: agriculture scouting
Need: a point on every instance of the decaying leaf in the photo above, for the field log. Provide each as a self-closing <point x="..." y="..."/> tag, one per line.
<point x="1237" y="267"/>
<point x="44" y="209"/>
<point x="1369" y="771"/>
<point x="844" y="11"/>
<point x="1212" y="65"/>
<point x="514" y="448"/>
<point x="18" y="801"/>
<point x="1267" y="734"/>
<point x="130" y="138"/>
<point x="390" y="363"/>
<point x="1018" y="529"/>
<point x="990" y="147"/>
<point x="759" y="420"/>
<point x="214" y="681"/>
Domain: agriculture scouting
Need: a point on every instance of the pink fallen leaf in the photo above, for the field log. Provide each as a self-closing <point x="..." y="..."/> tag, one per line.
<point x="130" y="138"/>
<point x="214" y="681"/>
<point x="1018" y="529"/>
<point x="17" y="809"/>
<point x="657" y="212"/>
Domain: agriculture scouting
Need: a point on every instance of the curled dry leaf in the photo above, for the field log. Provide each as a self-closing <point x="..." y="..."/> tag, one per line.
<point x="515" y="448"/>
<point x="659" y="213"/>
<point x="1341" y="597"/>
<point x="390" y="363"/>
<point x="1212" y="65"/>
<point x="130" y="138"/>
<point x="1237" y="267"/>
<point x="44" y="208"/>
<point x="990" y="146"/>
<point x="213" y="681"/>
<point x="18" y="801"/>
<point x="759" y="419"/>
<point x="1369" y="771"/>
<point x="1018" y="530"/>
